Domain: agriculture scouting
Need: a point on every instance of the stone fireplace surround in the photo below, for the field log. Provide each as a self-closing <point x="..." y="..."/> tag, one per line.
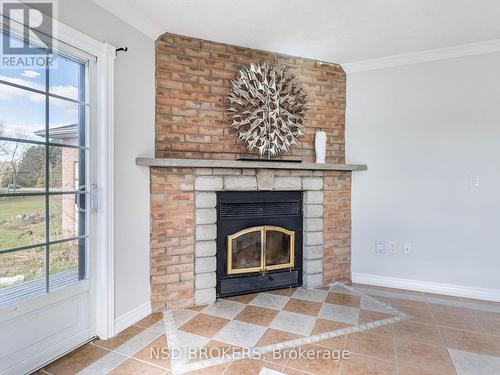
<point x="206" y="186"/>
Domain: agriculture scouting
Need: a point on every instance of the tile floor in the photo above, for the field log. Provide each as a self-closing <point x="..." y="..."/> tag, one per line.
<point x="382" y="331"/>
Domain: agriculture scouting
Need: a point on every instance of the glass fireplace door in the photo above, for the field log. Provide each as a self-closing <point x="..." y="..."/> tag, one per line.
<point x="260" y="249"/>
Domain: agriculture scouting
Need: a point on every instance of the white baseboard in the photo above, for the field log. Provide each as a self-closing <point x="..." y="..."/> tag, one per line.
<point x="131" y="317"/>
<point x="427" y="286"/>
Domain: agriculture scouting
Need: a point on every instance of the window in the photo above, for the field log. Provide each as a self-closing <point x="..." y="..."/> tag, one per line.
<point x="43" y="174"/>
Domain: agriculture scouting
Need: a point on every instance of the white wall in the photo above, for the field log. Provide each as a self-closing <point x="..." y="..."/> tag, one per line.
<point x="423" y="130"/>
<point x="134" y="136"/>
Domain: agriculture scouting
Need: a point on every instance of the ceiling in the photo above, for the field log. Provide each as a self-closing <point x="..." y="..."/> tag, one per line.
<point x="341" y="31"/>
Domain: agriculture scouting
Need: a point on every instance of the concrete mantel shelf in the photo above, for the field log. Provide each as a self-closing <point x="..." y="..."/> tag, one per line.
<point x="247" y="164"/>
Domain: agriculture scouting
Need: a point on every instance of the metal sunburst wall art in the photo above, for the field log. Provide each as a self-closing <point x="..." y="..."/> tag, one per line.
<point x="267" y="108"/>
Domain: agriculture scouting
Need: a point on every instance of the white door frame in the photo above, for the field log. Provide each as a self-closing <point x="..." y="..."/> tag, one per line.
<point x="102" y="286"/>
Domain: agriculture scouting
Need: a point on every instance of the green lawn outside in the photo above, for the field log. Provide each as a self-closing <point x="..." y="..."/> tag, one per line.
<point x="22" y="222"/>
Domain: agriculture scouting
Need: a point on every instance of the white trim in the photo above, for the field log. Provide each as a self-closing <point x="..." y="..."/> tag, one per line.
<point x="104" y="244"/>
<point x="133" y="316"/>
<point x="428" y="287"/>
<point x="103" y="107"/>
<point x="436" y="54"/>
<point x="132" y="16"/>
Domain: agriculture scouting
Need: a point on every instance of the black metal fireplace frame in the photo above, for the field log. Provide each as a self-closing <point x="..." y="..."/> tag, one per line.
<point x="239" y="210"/>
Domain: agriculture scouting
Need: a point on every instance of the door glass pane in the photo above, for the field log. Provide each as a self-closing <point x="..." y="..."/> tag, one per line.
<point x="63" y="264"/>
<point x="22" y="167"/>
<point x="64" y="120"/>
<point x="246" y="250"/>
<point x="32" y="76"/>
<point x="65" y="80"/>
<point x="22" y="221"/>
<point x="22" y="113"/>
<point x="278" y="248"/>
<point x="64" y="168"/>
<point x="22" y="275"/>
<point x="63" y="217"/>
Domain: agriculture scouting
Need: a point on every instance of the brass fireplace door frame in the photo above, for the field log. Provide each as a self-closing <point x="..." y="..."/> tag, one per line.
<point x="263" y="267"/>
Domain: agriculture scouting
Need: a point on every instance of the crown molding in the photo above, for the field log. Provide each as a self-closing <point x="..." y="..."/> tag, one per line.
<point x="132" y="16"/>
<point x="436" y="54"/>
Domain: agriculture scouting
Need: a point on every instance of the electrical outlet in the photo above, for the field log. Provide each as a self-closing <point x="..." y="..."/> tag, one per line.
<point x="380" y="246"/>
<point x="392" y="247"/>
<point x="407" y="248"/>
<point x="475" y="181"/>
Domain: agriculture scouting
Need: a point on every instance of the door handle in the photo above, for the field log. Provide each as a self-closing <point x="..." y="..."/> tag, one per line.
<point x="92" y="192"/>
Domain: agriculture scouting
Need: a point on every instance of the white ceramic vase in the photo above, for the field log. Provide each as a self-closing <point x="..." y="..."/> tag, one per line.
<point x="320" y="146"/>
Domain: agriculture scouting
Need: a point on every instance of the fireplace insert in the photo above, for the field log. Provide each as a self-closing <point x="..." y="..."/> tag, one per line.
<point x="259" y="241"/>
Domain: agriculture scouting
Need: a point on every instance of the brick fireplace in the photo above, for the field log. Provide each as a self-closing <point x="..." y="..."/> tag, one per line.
<point x="197" y="156"/>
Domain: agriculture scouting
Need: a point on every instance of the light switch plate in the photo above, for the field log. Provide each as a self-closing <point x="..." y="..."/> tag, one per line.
<point x="380" y="246"/>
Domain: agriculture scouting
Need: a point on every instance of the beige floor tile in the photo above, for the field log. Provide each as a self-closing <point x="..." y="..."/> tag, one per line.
<point x="335" y="343"/>
<point x="149" y="320"/>
<point x="377" y="346"/>
<point x="408" y="370"/>
<point x="387" y="330"/>
<point x="491" y="326"/>
<point x="426" y="333"/>
<point x="486" y="314"/>
<point x="284" y="292"/>
<point x="155" y="353"/>
<point x="212" y="370"/>
<point x="458" y="321"/>
<point x="403" y="303"/>
<point x="257" y="315"/>
<point x="76" y="360"/>
<point x="204" y="325"/>
<point x="133" y="367"/>
<point x="471" y="341"/>
<point x="418" y="315"/>
<point x="119" y="339"/>
<point x="317" y="364"/>
<point x="249" y="367"/>
<point x="274" y="336"/>
<point x="293" y="371"/>
<point x="343" y="299"/>
<point x="449" y="309"/>
<point x="245" y="298"/>
<point x="303" y="307"/>
<point x="368" y="316"/>
<point x="430" y="357"/>
<point x="360" y="365"/>
<point x="324" y="325"/>
<point x="197" y="308"/>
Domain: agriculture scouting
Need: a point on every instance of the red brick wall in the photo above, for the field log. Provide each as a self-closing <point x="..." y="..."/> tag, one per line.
<point x="172" y="238"/>
<point x="337" y="227"/>
<point x="193" y="78"/>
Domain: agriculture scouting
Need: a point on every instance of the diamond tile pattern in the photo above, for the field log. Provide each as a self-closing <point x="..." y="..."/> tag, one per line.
<point x="286" y="317"/>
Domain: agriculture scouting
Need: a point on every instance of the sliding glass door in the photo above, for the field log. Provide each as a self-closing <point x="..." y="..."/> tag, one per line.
<point x="45" y="210"/>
